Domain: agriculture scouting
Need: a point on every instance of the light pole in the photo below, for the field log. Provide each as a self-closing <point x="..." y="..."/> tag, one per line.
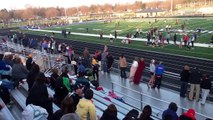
<point x="171" y="7"/>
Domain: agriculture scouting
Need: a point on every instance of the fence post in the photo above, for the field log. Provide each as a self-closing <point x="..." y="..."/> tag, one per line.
<point x="141" y="101"/>
<point x="182" y="110"/>
<point x="112" y="88"/>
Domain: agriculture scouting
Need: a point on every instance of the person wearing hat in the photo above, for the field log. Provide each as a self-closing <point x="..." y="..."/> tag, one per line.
<point x="188" y="115"/>
<point x="77" y="94"/>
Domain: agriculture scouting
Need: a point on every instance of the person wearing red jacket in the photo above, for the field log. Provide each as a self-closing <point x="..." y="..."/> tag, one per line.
<point x="188" y="115"/>
<point x="139" y="71"/>
<point x="186" y="38"/>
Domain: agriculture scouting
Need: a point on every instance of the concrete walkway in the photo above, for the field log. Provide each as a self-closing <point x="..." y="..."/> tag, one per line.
<point x="119" y="37"/>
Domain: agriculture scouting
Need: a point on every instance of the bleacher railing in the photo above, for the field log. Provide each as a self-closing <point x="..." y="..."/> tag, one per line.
<point x="143" y="103"/>
<point x="42" y="58"/>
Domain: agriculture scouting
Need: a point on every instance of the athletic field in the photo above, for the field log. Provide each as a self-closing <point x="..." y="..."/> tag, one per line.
<point x="130" y="26"/>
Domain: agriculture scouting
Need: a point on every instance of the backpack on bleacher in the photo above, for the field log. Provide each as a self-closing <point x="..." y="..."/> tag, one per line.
<point x="33" y="112"/>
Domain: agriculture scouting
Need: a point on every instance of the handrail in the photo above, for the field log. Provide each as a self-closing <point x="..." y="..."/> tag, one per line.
<point x="163" y="101"/>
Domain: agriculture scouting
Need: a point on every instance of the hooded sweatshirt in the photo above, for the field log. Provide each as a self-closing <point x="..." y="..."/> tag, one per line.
<point x="86" y="109"/>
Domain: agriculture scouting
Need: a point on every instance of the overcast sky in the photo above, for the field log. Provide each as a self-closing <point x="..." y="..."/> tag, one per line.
<point x="20" y="4"/>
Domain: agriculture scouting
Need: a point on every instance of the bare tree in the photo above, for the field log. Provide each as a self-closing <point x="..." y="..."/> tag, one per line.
<point x="120" y="7"/>
<point x="84" y="10"/>
<point x="108" y="8"/>
<point x="51" y="12"/>
<point x="72" y="11"/>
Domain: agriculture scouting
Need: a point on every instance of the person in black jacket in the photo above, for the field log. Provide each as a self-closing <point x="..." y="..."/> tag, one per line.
<point x="60" y="89"/>
<point x="184" y="78"/>
<point x="194" y="80"/>
<point x="146" y="114"/>
<point x="38" y="95"/>
<point x="110" y="61"/>
<point x="67" y="106"/>
<point x="110" y="113"/>
<point x="31" y="77"/>
<point x="206" y="87"/>
<point x="77" y="94"/>
<point x="29" y="62"/>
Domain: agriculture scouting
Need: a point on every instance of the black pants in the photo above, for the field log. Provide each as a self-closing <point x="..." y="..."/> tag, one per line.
<point x="123" y="72"/>
<point x="157" y="81"/>
<point x="183" y="89"/>
<point x="192" y="43"/>
<point x="95" y="72"/>
<point x="76" y="69"/>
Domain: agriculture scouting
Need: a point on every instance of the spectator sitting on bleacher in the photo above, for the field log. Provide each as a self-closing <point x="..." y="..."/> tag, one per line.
<point x="170" y="113"/>
<point x="31" y="77"/>
<point x="61" y="90"/>
<point x="188" y="115"/>
<point x="4" y="93"/>
<point x="110" y="113"/>
<point x="86" y="108"/>
<point x="77" y="94"/>
<point x="38" y="95"/>
<point x="19" y="71"/>
<point x="84" y="81"/>
<point x="132" y="115"/>
<point x="146" y="114"/>
<point x="67" y="108"/>
<point x="8" y="59"/>
<point x="81" y="69"/>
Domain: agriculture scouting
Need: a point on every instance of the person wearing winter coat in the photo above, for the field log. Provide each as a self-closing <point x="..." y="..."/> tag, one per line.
<point x="146" y="113"/>
<point x="38" y="95"/>
<point x="188" y="115"/>
<point x="206" y="85"/>
<point x="85" y="108"/>
<point x="110" y="113"/>
<point x="19" y="71"/>
<point x="158" y="75"/>
<point x="195" y="80"/>
<point x="67" y="108"/>
<point x="170" y="113"/>
<point x="110" y="61"/>
<point x="32" y="75"/>
<point x="184" y="78"/>
<point x="123" y="65"/>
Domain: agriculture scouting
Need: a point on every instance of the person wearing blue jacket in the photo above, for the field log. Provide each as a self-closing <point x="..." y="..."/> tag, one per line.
<point x="159" y="70"/>
<point x="170" y="113"/>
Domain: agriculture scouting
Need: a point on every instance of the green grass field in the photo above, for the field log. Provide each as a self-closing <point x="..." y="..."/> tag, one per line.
<point x="130" y="26"/>
<point x="197" y="52"/>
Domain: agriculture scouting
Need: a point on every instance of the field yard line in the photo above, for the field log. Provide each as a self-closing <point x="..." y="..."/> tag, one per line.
<point x="119" y="37"/>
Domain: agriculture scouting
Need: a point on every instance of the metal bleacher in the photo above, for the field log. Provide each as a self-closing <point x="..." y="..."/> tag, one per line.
<point x="101" y="104"/>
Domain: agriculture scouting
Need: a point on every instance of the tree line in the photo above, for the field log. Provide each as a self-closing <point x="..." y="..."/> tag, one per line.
<point x="51" y="12"/>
